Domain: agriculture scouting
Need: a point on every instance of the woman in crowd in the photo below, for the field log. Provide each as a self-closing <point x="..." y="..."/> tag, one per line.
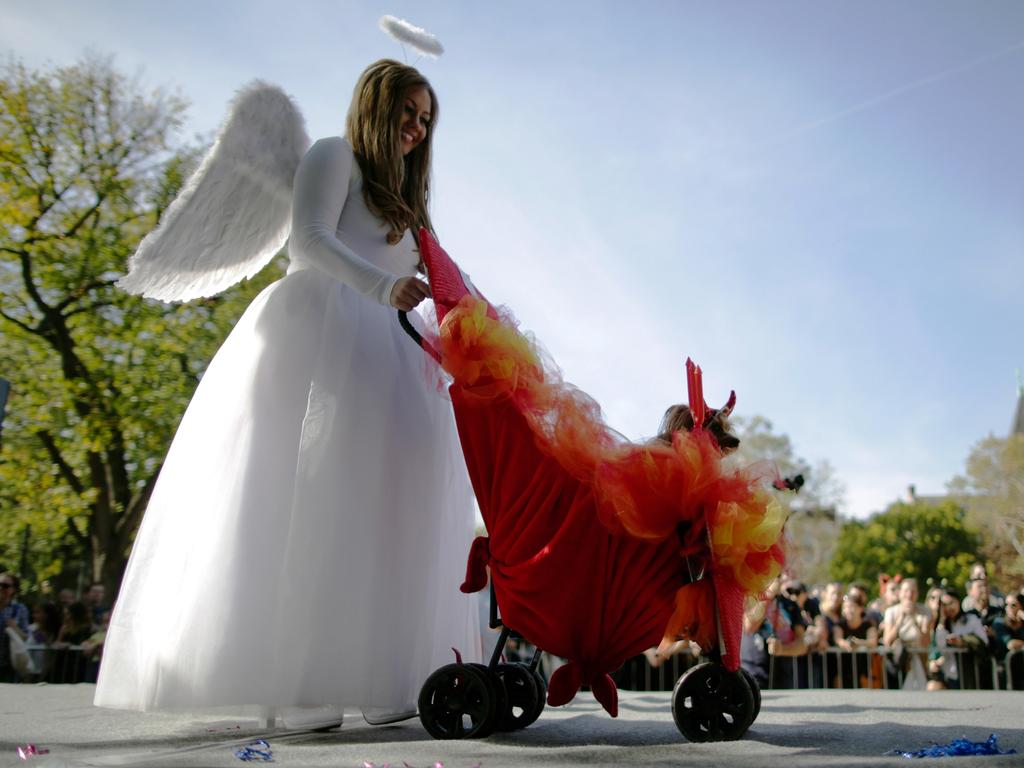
<point x="1009" y="640"/>
<point x="905" y="632"/>
<point x="69" y="664"/>
<point x="852" y="632"/>
<point x="962" y="641"/>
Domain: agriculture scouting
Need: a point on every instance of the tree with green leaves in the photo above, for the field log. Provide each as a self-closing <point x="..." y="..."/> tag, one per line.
<point x="919" y="539"/>
<point x="814" y="520"/>
<point x="98" y="379"/>
<point x="992" y="490"/>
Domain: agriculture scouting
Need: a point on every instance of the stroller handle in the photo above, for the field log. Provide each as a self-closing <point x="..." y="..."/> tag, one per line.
<point x="426" y="346"/>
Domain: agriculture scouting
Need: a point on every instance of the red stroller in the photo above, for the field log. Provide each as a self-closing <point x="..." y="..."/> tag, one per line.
<point x="598" y="548"/>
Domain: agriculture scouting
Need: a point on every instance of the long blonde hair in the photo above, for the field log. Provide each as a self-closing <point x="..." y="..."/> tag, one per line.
<point x="395" y="188"/>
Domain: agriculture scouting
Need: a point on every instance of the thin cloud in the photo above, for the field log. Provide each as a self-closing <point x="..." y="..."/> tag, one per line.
<point x="864" y="106"/>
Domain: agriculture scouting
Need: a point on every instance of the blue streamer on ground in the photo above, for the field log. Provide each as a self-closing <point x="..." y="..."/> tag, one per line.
<point x="958" y="748"/>
<point x="257" y="750"/>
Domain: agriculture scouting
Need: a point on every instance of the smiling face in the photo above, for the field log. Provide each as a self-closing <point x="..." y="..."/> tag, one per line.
<point x="832" y="596"/>
<point x="414" y="120"/>
<point x="853" y="610"/>
<point x="908" y="592"/>
<point x="858" y="595"/>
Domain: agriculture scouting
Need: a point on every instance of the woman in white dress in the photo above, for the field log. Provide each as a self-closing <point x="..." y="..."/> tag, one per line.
<point x="305" y="541"/>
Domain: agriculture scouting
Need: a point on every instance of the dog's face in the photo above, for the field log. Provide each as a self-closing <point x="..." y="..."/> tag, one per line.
<point x="719" y="427"/>
<point x="679" y="417"/>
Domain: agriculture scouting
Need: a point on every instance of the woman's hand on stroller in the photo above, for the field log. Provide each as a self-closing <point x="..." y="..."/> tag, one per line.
<point x="408" y="292"/>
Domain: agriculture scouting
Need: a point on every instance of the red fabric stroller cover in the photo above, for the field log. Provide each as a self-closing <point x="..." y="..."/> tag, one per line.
<point x="586" y="531"/>
<point x="561" y="579"/>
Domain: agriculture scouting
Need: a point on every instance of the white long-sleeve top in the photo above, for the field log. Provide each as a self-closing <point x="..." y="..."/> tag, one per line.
<point x="334" y="232"/>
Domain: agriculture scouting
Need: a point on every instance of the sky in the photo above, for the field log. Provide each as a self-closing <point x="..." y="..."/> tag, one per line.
<point x="822" y="203"/>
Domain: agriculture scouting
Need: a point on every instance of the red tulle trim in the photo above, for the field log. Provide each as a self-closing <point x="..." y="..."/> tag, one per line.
<point x="694" y="616"/>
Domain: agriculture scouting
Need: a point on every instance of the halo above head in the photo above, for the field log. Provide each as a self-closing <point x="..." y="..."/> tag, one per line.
<point x="416" y="37"/>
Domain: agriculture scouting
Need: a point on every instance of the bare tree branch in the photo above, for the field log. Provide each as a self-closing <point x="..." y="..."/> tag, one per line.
<point x="132" y="516"/>
<point x="80" y="293"/>
<point x="66" y="471"/>
<point x="15" y="321"/>
<point x="87" y="308"/>
<point x="80" y="537"/>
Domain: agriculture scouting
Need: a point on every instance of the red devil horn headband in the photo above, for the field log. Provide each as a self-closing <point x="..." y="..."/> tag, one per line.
<point x="729" y="404"/>
<point x="699" y="409"/>
<point x="695" y="393"/>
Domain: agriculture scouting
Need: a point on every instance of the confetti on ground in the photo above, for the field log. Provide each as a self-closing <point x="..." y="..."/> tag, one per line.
<point x="257" y="750"/>
<point x="29" y="750"/>
<point x="958" y="748"/>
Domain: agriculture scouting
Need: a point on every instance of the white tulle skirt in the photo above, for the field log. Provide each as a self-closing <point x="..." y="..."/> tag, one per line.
<point x="308" y="533"/>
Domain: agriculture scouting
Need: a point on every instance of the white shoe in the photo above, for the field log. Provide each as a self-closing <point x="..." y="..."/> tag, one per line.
<point x="323" y="718"/>
<point x="385" y="716"/>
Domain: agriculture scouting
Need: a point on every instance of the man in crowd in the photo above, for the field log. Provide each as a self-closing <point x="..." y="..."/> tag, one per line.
<point x="14" y="616"/>
<point x="94" y="603"/>
<point x="996" y="598"/>
<point x="982" y="605"/>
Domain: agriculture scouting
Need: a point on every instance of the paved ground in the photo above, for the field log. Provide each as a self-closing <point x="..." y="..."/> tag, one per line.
<point x="795" y="729"/>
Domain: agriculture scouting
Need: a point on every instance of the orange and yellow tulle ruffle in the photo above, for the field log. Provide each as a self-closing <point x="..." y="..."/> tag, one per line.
<point x="485" y="352"/>
<point x="650" y="491"/>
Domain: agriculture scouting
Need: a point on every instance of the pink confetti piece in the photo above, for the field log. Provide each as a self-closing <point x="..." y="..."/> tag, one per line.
<point x="30" y="750"/>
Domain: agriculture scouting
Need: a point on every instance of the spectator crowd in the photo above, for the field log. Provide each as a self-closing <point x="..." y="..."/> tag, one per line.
<point x="833" y="636"/>
<point x="56" y="641"/>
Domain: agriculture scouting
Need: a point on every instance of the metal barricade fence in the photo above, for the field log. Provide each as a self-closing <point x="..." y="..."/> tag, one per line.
<point x="876" y="668"/>
<point x="637" y="674"/>
<point x="62" y="665"/>
<point x="886" y="668"/>
<point x="1013" y="667"/>
<point x="976" y="671"/>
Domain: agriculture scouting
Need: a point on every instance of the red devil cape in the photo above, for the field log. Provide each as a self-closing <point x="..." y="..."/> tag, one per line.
<point x="589" y="532"/>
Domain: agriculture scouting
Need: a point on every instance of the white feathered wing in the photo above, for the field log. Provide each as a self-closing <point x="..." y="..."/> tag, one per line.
<point x="234" y="213"/>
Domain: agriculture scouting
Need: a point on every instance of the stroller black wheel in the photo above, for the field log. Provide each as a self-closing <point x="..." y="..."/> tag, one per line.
<point x="755" y="689"/>
<point x="710" y="703"/>
<point x="500" y="698"/>
<point x="457" y="701"/>
<point x="542" y="695"/>
<point x="521" y="707"/>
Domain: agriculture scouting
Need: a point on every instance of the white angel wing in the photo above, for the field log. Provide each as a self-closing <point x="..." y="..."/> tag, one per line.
<point x="234" y="213"/>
